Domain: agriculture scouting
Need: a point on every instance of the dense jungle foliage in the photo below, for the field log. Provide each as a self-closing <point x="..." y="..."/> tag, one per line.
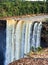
<point x="17" y="8"/>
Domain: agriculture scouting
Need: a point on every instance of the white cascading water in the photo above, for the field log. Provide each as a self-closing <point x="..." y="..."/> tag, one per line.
<point x="27" y="38"/>
<point x="8" y="42"/>
<point x="19" y="34"/>
<point x="18" y="39"/>
<point x="23" y="41"/>
<point x="13" y="41"/>
<point x="38" y="35"/>
<point x="28" y="45"/>
<point x="34" y="35"/>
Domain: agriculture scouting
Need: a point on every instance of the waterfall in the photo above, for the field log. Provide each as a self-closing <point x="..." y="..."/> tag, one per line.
<point x="39" y="35"/>
<point x="21" y="36"/>
<point x="27" y="38"/>
<point x="8" y="42"/>
<point x="23" y="40"/>
<point x="13" y="41"/>
<point x="18" y="39"/>
<point x="29" y="44"/>
<point x="34" y="35"/>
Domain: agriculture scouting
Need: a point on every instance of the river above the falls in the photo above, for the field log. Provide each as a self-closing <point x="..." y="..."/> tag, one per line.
<point x="31" y="18"/>
<point x="27" y="17"/>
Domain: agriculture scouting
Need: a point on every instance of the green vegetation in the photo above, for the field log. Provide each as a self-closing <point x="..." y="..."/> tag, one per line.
<point x="39" y="48"/>
<point x="17" y="8"/>
<point x="32" y="49"/>
<point x="36" y="49"/>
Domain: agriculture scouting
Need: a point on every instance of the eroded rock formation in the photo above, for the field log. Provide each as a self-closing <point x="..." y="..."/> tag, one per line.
<point x="44" y="34"/>
<point x="30" y="61"/>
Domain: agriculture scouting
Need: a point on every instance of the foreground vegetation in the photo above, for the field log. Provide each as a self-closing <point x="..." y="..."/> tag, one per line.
<point x="16" y="8"/>
<point x="39" y="54"/>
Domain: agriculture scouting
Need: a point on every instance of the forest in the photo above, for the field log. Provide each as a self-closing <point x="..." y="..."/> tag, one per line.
<point x="18" y="8"/>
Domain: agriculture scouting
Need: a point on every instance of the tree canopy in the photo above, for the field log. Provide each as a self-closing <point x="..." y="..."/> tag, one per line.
<point x="17" y="8"/>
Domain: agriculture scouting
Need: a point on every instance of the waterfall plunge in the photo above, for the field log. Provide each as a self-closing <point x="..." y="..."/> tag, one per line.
<point x="38" y="35"/>
<point x="34" y="36"/>
<point x="27" y="37"/>
<point x="19" y="35"/>
<point x="23" y="41"/>
<point x="9" y="56"/>
<point x="18" y="39"/>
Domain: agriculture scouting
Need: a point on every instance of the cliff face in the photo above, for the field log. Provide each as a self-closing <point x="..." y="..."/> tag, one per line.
<point x="2" y="41"/>
<point x="44" y="35"/>
<point x="2" y="24"/>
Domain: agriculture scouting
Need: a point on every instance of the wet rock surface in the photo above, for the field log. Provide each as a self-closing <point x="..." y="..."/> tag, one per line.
<point x="44" y="34"/>
<point x="2" y="41"/>
<point x="31" y="61"/>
